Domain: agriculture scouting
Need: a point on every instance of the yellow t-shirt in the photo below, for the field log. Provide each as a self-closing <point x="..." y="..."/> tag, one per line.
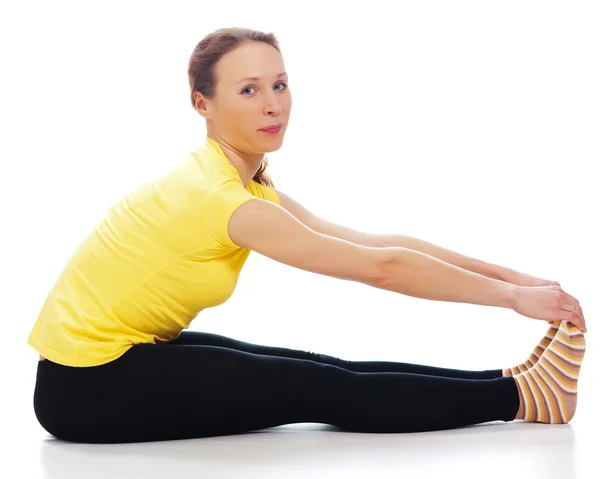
<point x="160" y="256"/>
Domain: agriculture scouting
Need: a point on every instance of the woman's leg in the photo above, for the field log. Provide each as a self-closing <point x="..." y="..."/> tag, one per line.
<point x="162" y="391"/>
<point x="211" y="339"/>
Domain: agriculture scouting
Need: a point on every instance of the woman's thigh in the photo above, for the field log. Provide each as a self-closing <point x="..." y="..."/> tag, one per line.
<point x="161" y="392"/>
<point x="212" y="339"/>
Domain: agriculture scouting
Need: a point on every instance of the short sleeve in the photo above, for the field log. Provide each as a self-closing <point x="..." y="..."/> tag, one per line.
<point x="265" y="192"/>
<point x="269" y="193"/>
<point x="224" y="200"/>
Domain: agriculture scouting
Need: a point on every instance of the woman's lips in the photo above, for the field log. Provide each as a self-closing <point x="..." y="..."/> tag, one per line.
<point x="272" y="130"/>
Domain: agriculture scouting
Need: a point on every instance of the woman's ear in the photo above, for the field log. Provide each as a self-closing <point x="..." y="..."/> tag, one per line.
<point x="201" y="105"/>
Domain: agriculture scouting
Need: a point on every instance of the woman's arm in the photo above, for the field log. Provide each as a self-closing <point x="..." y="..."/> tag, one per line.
<point x="373" y="240"/>
<point x="270" y="230"/>
<point x="490" y="270"/>
<point x="418" y="274"/>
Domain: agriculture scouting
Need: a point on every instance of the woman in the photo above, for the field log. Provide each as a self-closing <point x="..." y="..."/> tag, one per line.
<point x="117" y="366"/>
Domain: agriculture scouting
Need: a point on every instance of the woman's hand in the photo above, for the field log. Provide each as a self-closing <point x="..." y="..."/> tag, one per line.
<point x="521" y="279"/>
<point x="549" y="303"/>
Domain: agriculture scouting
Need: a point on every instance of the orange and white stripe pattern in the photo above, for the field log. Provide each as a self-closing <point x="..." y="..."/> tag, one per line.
<point x="537" y="352"/>
<point x="549" y="388"/>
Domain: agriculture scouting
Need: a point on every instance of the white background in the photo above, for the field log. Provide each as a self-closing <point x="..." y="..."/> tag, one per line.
<point x="470" y="124"/>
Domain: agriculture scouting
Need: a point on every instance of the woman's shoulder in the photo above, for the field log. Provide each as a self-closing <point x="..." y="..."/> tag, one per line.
<point x="264" y="192"/>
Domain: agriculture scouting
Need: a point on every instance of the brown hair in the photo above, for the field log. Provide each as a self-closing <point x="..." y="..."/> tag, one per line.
<point x="202" y="65"/>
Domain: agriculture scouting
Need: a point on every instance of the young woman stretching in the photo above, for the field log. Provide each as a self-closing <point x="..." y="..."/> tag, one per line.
<point x="116" y="364"/>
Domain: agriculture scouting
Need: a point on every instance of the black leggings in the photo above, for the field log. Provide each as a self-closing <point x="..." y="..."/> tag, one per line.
<point x="204" y="384"/>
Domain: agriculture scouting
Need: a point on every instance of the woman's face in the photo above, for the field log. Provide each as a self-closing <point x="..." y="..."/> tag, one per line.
<point x="241" y="107"/>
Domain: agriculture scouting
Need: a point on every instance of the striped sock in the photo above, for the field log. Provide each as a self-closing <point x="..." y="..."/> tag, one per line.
<point x="537" y="352"/>
<point x="548" y="390"/>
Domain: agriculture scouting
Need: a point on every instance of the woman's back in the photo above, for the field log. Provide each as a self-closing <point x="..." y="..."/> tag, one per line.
<point x="160" y="256"/>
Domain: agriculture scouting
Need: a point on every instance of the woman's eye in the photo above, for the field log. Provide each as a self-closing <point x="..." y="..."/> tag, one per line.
<point x="251" y="87"/>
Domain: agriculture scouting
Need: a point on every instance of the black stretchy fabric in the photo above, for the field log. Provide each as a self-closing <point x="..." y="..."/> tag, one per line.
<point x="204" y="384"/>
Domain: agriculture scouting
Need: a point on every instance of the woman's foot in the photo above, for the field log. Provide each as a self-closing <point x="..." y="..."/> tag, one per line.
<point x="548" y="390"/>
<point x="537" y="352"/>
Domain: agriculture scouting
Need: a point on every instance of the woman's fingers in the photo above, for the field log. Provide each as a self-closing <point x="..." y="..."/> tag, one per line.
<point x="576" y="317"/>
<point x="571" y="301"/>
<point x="571" y="298"/>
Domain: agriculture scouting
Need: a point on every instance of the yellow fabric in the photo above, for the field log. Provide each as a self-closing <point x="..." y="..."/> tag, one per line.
<point x="160" y="256"/>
